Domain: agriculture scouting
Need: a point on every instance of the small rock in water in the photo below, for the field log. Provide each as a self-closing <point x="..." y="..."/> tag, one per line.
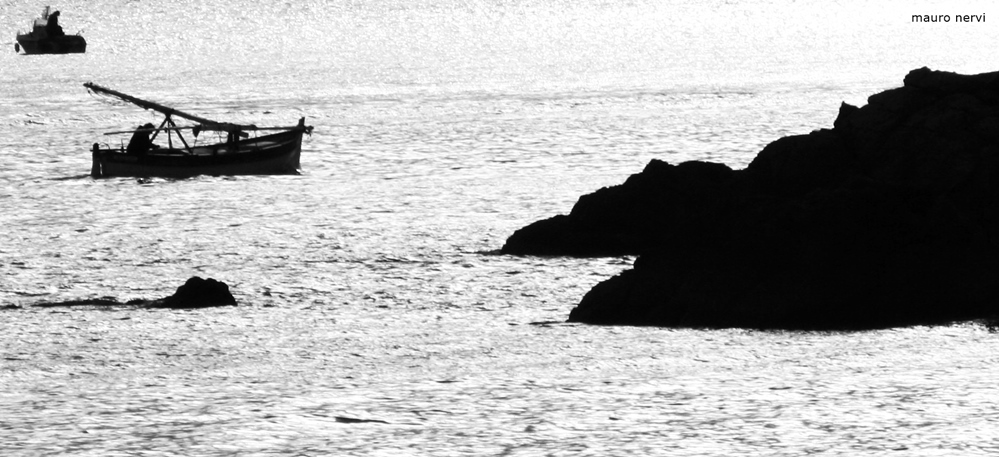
<point x="197" y="293"/>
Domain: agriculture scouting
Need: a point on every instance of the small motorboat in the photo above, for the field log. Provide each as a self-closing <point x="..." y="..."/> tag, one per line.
<point x="46" y="37"/>
<point x="235" y="152"/>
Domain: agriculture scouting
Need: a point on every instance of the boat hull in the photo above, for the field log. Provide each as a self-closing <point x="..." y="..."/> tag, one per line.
<point x="276" y="154"/>
<point x="68" y="44"/>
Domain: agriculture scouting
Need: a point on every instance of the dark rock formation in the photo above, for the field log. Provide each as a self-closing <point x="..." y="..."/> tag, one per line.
<point x="629" y="218"/>
<point x="890" y="218"/>
<point x="195" y="293"/>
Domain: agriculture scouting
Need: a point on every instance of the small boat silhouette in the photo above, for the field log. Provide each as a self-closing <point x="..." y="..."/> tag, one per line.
<point x="46" y="37"/>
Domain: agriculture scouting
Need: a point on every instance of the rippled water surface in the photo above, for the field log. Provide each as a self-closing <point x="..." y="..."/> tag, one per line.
<point x="373" y="319"/>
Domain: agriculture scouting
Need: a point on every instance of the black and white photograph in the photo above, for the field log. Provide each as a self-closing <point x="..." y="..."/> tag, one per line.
<point x="518" y="228"/>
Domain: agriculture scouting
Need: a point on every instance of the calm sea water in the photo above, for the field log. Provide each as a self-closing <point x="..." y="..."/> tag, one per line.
<point x="365" y="284"/>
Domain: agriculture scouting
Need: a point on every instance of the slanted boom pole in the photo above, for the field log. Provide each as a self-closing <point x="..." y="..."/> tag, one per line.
<point x="168" y="111"/>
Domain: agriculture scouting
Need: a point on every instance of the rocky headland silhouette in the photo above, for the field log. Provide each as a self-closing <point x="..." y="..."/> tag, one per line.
<point x="890" y="218"/>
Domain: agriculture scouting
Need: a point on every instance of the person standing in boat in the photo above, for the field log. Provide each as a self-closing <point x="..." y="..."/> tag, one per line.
<point x="52" y="27"/>
<point x="140" y="143"/>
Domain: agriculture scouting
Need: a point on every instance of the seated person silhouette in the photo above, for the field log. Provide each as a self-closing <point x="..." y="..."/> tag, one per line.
<point x="52" y="27"/>
<point x="140" y="143"/>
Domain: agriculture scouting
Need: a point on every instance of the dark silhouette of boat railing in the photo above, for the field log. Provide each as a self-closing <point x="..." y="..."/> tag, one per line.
<point x="169" y="126"/>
